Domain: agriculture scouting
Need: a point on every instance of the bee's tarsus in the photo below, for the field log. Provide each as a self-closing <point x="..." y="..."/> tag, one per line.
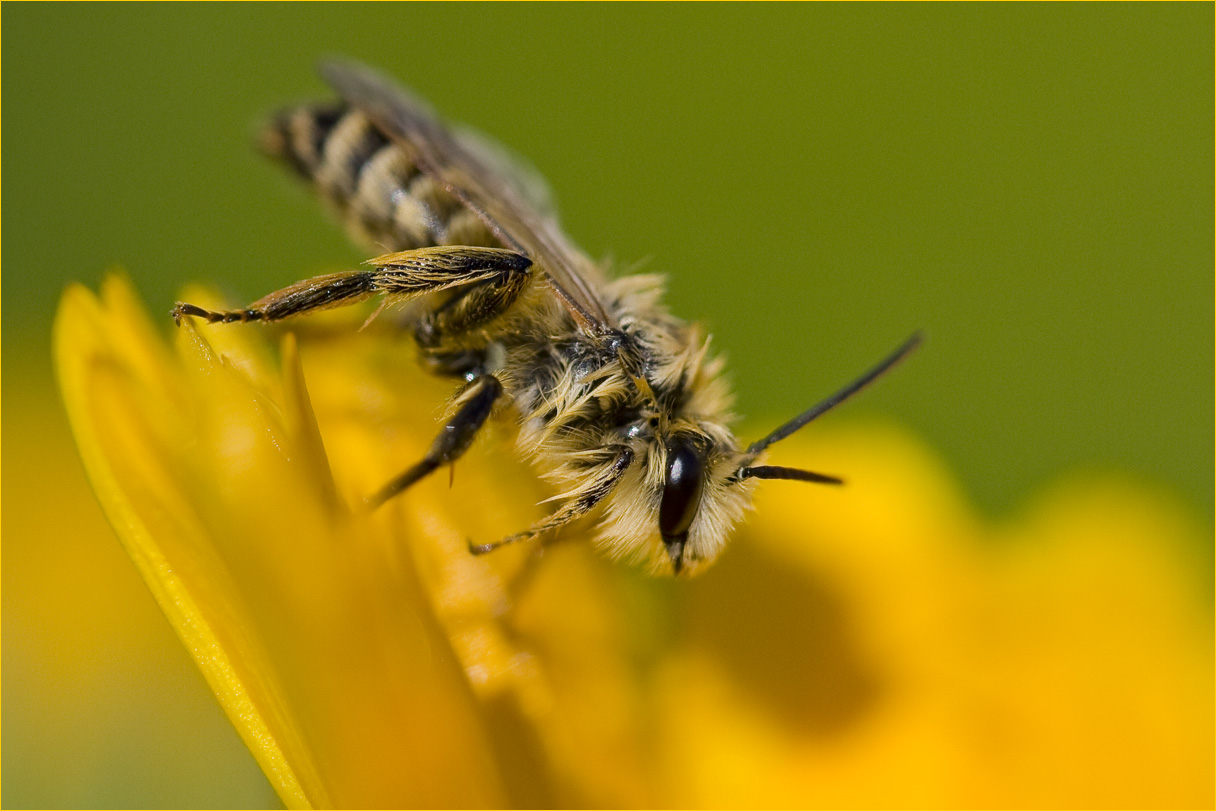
<point x="182" y="309"/>
<point x="402" y="482"/>
<point x="213" y="316"/>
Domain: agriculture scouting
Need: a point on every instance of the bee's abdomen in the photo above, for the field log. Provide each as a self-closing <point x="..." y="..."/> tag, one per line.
<point x="387" y="203"/>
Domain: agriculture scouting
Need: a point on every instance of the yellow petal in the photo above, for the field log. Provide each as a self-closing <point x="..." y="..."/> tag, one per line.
<point x="104" y="353"/>
<point x="325" y="655"/>
<point x="878" y="645"/>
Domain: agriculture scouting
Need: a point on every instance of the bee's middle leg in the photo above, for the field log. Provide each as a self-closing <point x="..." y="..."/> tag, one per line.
<point x="476" y="403"/>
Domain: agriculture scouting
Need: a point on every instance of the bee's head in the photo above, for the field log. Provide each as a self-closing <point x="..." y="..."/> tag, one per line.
<point x="704" y="489"/>
<point x="682" y="483"/>
<point x="697" y="483"/>
<point x="698" y="493"/>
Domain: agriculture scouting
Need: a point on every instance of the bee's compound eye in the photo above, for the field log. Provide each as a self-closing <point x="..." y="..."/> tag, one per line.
<point x="682" y="489"/>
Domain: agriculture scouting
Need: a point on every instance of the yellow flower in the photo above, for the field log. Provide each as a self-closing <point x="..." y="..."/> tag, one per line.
<point x="878" y="645"/>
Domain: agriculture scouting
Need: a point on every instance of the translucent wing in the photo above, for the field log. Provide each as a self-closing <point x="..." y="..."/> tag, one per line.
<point x="513" y="167"/>
<point x="509" y="201"/>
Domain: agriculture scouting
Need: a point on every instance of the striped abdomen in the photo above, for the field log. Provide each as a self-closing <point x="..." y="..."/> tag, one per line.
<point x="386" y="203"/>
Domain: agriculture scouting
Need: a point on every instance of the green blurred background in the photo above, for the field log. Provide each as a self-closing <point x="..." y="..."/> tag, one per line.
<point x="1031" y="185"/>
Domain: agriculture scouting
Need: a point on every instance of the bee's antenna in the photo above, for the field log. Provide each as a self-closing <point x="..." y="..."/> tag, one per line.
<point x="791" y="473"/>
<point x="827" y="405"/>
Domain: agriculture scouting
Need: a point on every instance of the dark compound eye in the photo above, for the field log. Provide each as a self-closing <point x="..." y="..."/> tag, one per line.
<point x="681" y="495"/>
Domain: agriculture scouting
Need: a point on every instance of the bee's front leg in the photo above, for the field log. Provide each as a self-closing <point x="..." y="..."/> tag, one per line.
<point x="581" y="504"/>
<point x="401" y="275"/>
<point x="475" y="405"/>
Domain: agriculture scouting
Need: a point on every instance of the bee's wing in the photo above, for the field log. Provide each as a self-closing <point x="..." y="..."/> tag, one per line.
<point x="513" y="167"/>
<point x="510" y="203"/>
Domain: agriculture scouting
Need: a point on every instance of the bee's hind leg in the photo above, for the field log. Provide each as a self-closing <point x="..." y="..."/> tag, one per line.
<point x="476" y="403"/>
<point x="400" y="275"/>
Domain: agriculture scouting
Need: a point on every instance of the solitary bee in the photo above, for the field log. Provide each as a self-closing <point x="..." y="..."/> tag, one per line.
<point x="621" y="405"/>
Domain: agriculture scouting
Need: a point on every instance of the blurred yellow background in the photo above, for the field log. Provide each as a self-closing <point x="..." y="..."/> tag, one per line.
<point x="1030" y="185"/>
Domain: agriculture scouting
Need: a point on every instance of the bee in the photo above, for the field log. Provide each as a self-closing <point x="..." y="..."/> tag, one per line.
<point x="620" y="405"/>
